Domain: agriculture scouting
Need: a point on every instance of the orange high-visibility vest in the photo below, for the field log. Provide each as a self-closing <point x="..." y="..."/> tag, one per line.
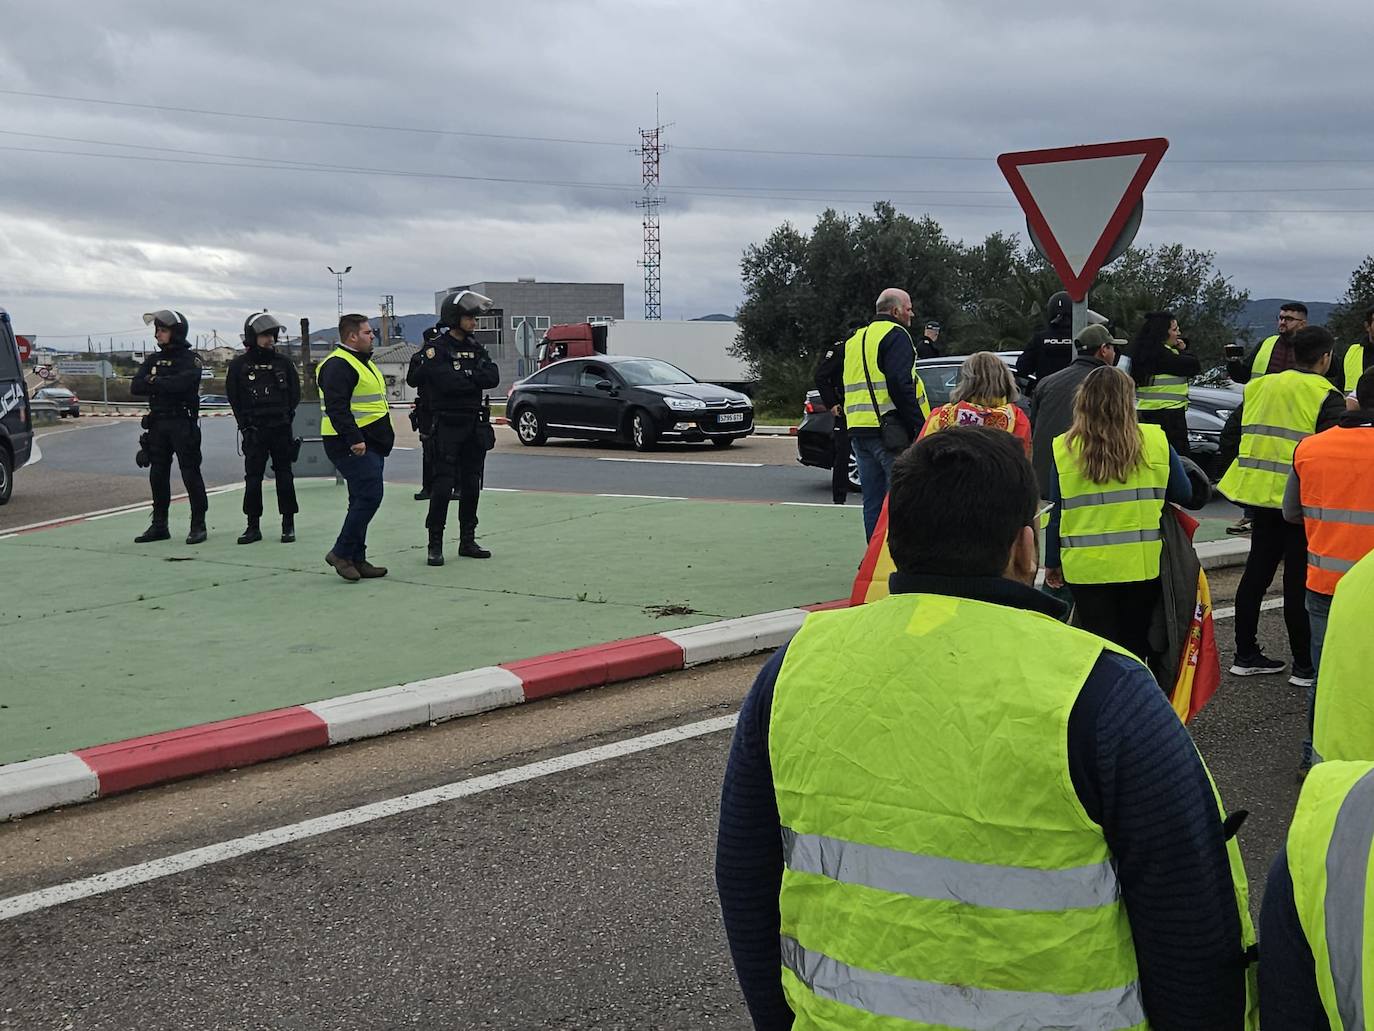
<point x="1336" y="471"/>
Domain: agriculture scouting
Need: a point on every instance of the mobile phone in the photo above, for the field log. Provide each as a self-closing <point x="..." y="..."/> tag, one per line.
<point x="1234" y="350"/>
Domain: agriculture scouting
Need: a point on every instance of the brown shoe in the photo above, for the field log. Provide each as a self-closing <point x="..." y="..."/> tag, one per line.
<point x="344" y="567"/>
<point x="367" y="570"/>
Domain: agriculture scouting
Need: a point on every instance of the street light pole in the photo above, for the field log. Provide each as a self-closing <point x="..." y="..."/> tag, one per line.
<point x="338" y="279"/>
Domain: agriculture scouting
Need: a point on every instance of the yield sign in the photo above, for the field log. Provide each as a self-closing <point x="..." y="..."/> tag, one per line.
<point x="1078" y="199"/>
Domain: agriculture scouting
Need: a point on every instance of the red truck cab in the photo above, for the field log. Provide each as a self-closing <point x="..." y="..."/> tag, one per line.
<point x="571" y="340"/>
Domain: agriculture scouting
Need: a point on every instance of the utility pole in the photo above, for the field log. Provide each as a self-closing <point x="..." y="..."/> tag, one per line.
<point x="338" y="280"/>
<point x="388" y="315"/>
<point x="651" y="153"/>
<point x="307" y="366"/>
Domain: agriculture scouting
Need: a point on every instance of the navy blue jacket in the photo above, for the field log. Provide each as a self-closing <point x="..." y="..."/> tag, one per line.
<point x="336" y="381"/>
<point x="896" y="364"/>
<point x="1288" y="996"/>
<point x="1138" y="775"/>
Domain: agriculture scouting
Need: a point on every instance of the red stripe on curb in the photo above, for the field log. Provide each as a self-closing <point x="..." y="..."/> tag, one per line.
<point x="142" y="761"/>
<point x="596" y="665"/>
<point x="826" y="606"/>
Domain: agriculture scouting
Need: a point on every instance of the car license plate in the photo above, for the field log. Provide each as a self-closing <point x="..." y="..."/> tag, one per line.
<point x="731" y="417"/>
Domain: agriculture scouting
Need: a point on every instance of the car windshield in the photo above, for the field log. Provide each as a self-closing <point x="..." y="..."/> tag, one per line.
<point x="650" y="372"/>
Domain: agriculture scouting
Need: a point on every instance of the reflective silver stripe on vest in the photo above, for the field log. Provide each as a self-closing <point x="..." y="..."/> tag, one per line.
<point x="951" y="1005"/>
<point x="936" y="877"/>
<point x="1335" y="565"/>
<point x="1283" y="432"/>
<point x="1112" y="497"/>
<point x="364" y="398"/>
<point x="1166" y="381"/>
<point x="1358" y="517"/>
<point x="1347" y="872"/>
<point x="1099" y="540"/>
<point x="1281" y="468"/>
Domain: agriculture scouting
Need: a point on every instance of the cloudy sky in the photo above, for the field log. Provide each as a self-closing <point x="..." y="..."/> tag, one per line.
<point x="483" y="121"/>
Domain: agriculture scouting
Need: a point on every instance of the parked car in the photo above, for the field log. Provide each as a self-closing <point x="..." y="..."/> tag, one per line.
<point x="68" y="404"/>
<point x="214" y="401"/>
<point x="641" y="400"/>
<point x="16" y="421"/>
<point x="1208" y="410"/>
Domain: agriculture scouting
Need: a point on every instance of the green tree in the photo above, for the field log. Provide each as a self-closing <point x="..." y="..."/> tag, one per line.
<point x="1346" y="321"/>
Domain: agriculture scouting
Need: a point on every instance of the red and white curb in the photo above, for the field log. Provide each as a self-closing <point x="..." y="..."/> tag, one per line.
<point x="89" y="773"/>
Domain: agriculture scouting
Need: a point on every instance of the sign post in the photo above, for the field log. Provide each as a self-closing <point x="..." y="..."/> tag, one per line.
<point x="1083" y="205"/>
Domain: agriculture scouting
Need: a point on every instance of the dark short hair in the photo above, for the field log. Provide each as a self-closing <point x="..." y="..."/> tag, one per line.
<point x="958" y="500"/>
<point x="1310" y="343"/>
<point x="1296" y="306"/>
<point x="1364" y="389"/>
<point x="350" y="324"/>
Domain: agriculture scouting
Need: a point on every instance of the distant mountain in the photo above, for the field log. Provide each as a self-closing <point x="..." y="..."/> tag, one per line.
<point x="409" y="328"/>
<point x="1259" y="316"/>
<point x="717" y="317"/>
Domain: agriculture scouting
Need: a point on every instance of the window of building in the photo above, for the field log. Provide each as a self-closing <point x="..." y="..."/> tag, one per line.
<point x="600" y="318"/>
<point x="489" y="322"/>
<point x="537" y="321"/>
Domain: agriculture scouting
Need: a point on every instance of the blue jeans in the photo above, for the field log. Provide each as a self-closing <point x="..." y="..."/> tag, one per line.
<point x="875" y="467"/>
<point x="1318" y="613"/>
<point x="363" y="474"/>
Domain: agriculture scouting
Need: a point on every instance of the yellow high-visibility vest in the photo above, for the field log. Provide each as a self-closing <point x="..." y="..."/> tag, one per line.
<point x="1280" y="410"/>
<point x="859" y="412"/>
<point x="1344" y="724"/>
<point x="1162" y="393"/>
<point x="368" y="402"/>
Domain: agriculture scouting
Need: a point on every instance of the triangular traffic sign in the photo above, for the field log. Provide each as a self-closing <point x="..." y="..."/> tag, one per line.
<point x="1077" y="199"/>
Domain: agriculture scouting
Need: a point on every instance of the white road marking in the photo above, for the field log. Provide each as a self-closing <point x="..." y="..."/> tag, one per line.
<point x="685" y="461"/>
<point x="821" y="504"/>
<point x="141" y="873"/>
<point x="118" y="510"/>
<point x="642" y="497"/>
<point x="57" y="433"/>
<point x="1227" y="611"/>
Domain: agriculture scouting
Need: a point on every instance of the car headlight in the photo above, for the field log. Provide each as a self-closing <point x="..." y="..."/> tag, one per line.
<point x="1224" y="413"/>
<point x="685" y="404"/>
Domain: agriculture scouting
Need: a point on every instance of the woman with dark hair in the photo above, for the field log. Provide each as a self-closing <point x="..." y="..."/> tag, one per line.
<point x="1161" y="372"/>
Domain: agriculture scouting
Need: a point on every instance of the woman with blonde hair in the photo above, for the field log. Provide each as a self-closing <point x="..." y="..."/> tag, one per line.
<point x="984" y="396"/>
<point x="1112" y="478"/>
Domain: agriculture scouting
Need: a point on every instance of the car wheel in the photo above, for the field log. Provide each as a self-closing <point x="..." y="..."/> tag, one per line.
<point x="854" y="487"/>
<point x="529" y="427"/>
<point x="643" y="434"/>
<point x="6" y="475"/>
<point x="722" y="441"/>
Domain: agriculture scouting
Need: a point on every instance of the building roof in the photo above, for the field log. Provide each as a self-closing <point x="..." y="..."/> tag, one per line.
<point x="396" y="354"/>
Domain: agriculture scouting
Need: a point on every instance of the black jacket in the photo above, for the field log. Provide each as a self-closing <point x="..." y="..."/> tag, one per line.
<point x="1281" y="358"/>
<point x="896" y="365"/>
<point x="1332" y="411"/>
<point x="1050" y="350"/>
<point x="264" y="388"/>
<point x="1051" y="414"/>
<point x="451" y="373"/>
<point x="830" y="375"/>
<point x="336" y="381"/>
<point x="170" y="380"/>
<point x="1172" y="363"/>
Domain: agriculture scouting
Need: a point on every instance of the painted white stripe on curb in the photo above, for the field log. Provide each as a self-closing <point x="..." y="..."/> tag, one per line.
<point x="735" y="638"/>
<point x="128" y="876"/>
<point x="684" y="461"/>
<point x="37" y="784"/>
<point x="373" y="713"/>
<point x="1227" y="611"/>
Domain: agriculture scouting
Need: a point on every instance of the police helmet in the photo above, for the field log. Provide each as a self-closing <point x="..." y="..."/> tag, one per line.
<point x="166" y="318"/>
<point x="1059" y="308"/>
<point x="257" y="324"/>
<point x="465" y="302"/>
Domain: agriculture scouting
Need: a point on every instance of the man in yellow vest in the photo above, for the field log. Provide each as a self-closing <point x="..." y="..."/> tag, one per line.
<point x="948" y="809"/>
<point x="357" y="432"/>
<point x="1274" y="353"/>
<point x="879" y="388"/>
<point x="1315" y="972"/>
<point x="1279" y="410"/>
<point x="1331" y="493"/>
<point x="1344" y="727"/>
<point x="1357" y="358"/>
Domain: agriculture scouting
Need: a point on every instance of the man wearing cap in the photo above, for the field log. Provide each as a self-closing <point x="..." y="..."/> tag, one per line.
<point x="1052" y="403"/>
<point x="264" y="390"/>
<point x="170" y="380"/>
<point x="925" y="346"/>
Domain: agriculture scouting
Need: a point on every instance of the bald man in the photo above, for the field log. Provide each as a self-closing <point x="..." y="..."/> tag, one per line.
<point x="880" y="356"/>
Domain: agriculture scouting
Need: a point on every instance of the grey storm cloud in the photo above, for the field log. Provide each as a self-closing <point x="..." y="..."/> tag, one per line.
<point x="1270" y="164"/>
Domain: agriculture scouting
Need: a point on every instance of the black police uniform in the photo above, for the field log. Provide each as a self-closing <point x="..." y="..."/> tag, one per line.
<point x="830" y="385"/>
<point x="451" y="373"/>
<point x="170" y="379"/>
<point x="1048" y="351"/>
<point x="421" y="419"/>
<point x="264" y="390"/>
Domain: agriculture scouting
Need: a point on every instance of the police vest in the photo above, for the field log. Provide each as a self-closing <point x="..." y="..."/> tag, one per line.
<point x="939" y="867"/>
<point x="1353" y="367"/>
<point x="1344" y="725"/>
<point x="1336" y="471"/>
<point x="1109" y="532"/>
<point x="1163" y="393"/>
<point x="1280" y="410"/>
<point x="1328" y="858"/>
<point x="859" y="412"/>
<point x="1266" y="351"/>
<point x="368" y="403"/>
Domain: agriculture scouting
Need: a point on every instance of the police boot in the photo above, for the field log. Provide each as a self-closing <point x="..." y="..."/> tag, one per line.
<point x="197" y="534"/>
<point x="253" y="533"/>
<point x="468" y="546"/>
<point x="288" y="529"/>
<point x="436" y="547"/>
<point x="157" y="531"/>
<point x="422" y="495"/>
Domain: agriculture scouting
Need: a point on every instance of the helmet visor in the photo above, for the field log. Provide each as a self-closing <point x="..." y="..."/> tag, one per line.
<point x="164" y="317"/>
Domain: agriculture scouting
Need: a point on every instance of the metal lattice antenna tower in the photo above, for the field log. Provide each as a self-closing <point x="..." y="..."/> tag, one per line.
<point x="651" y="150"/>
<point x="338" y="278"/>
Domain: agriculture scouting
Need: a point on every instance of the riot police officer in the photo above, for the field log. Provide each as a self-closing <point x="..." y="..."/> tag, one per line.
<point x="420" y="416"/>
<point x="451" y="373"/>
<point x="170" y="380"/>
<point x="264" y="390"/>
<point x="1051" y="348"/>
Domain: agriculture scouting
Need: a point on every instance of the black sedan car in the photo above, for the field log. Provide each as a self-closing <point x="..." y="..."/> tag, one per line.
<point x="618" y="397"/>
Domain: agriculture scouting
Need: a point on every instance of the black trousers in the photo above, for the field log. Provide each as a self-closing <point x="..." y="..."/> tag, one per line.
<point x="426" y="461"/>
<point x="1119" y="612"/>
<point x="177" y="436"/>
<point x="259" y="445"/>
<point x="458" y="457"/>
<point x="1174" y="422"/>
<point x="1273" y="540"/>
<point x="839" y="469"/>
